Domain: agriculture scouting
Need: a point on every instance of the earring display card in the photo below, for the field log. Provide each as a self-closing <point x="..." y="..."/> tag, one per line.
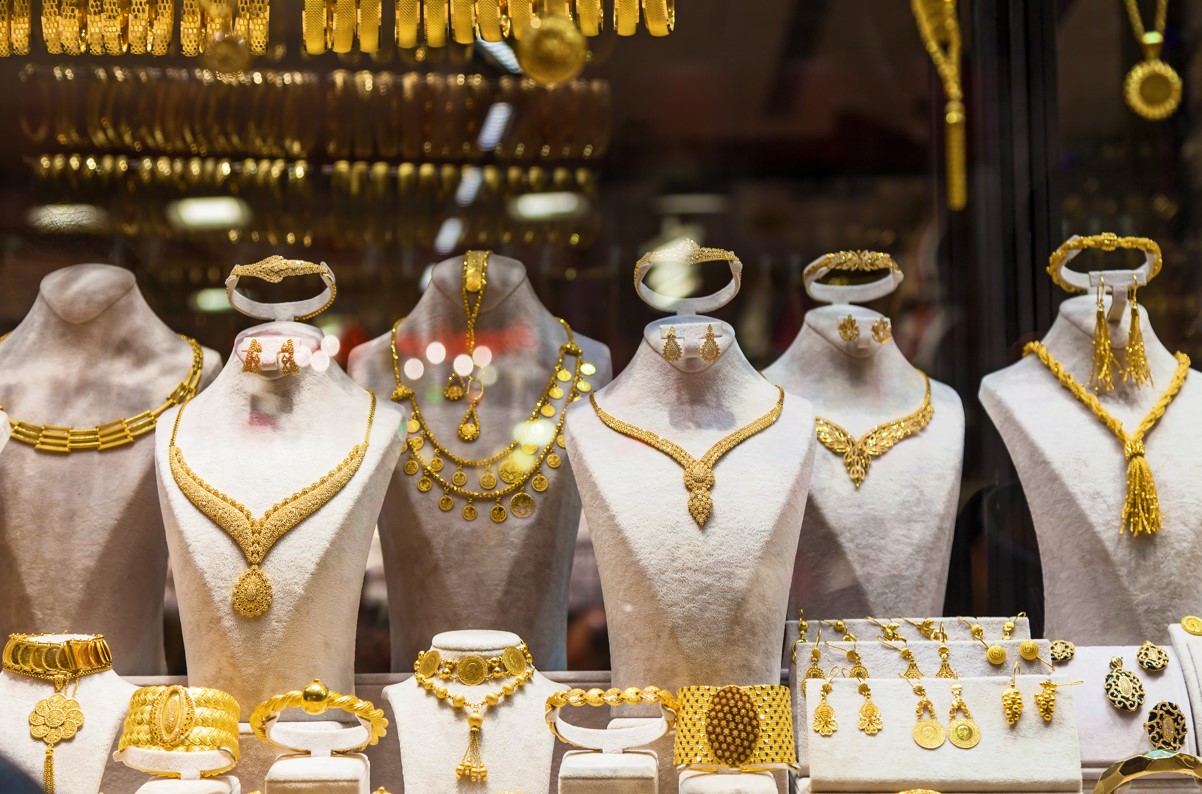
<point x="865" y="630"/>
<point x="1031" y="756"/>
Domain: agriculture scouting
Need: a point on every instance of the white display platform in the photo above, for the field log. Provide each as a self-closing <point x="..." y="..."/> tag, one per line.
<point x="225" y="784"/>
<point x="303" y="774"/>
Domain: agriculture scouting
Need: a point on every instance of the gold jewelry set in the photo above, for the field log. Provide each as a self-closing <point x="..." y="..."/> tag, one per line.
<point x="90" y="27"/>
<point x="939" y="26"/>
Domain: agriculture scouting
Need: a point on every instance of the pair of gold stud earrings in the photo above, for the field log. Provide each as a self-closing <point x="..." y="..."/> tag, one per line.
<point x="672" y="351"/>
<point x="849" y="329"/>
<point x="285" y="359"/>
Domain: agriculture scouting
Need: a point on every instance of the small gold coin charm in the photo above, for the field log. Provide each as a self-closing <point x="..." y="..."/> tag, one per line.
<point x="411" y="467"/>
<point x="1153" y="89"/>
<point x="563" y="375"/>
<point x="553" y="460"/>
<point x="425" y="484"/>
<point x="446" y="503"/>
<point x="471" y="670"/>
<point x="1124" y="690"/>
<point x="413" y="426"/>
<point x="562" y="445"/>
<point x="488" y="480"/>
<point x="556" y="393"/>
<point x="539" y="483"/>
<point x="1152" y="657"/>
<point x="514" y="661"/>
<point x="1192" y="625"/>
<point x="436" y="464"/>
<point x="416" y="443"/>
<point x="428" y="663"/>
<point x="929" y="734"/>
<point x="511" y="471"/>
<point x="588" y="369"/>
<point x="522" y="505"/>
<point x="498" y="513"/>
<point x="548" y="410"/>
<point x="459" y="478"/>
<point x="469" y="512"/>
<point x="962" y="731"/>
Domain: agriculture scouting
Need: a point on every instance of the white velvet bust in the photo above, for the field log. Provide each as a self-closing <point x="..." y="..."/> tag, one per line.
<point x="849" y="563"/>
<point x="81" y="535"/>
<point x="437" y="565"/>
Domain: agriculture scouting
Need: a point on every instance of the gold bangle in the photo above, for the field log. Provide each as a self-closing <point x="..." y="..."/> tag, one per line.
<point x="343" y="26"/>
<point x="590" y="16"/>
<point x="369" y="25"/>
<point x="162" y="23"/>
<point x="492" y="19"/>
<point x="116" y="27"/>
<point x="463" y="21"/>
<point x="178" y="719"/>
<point x="660" y="16"/>
<point x="316" y="699"/>
<point x="256" y="17"/>
<point x="189" y="27"/>
<point x="408" y="19"/>
<point x="435" y="23"/>
<point x="1154" y="763"/>
<point x="632" y="696"/>
<point x="20" y="22"/>
<point x="521" y="16"/>
<point x="313" y="26"/>
<point x="95" y="28"/>
<point x="139" y="27"/>
<point x="1107" y="241"/>
<point x="747" y="728"/>
<point x="50" y="26"/>
<point x="5" y="35"/>
<point x="626" y="17"/>
<point x="71" y="26"/>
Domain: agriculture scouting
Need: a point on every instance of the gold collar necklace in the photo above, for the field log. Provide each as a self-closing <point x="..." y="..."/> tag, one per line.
<point x="55" y="438"/>
<point x="251" y="597"/>
<point x="858" y="455"/>
<point x="1141" y="509"/>
<point x="698" y="472"/>
<point x="59" y="717"/>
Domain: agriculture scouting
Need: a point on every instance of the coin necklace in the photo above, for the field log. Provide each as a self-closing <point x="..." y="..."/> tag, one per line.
<point x="858" y="454"/>
<point x="1152" y="88"/>
<point x="518" y="464"/>
<point x="251" y="597"/>
<point x="698" y="472"/>
<point x="472" y="670"/>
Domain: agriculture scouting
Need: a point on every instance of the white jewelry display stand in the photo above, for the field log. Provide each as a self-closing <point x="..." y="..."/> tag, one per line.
<point x="859" y="385"/>
<point x="78" y="762"/>
<point x="525" y="563"/>
<point x="259" y="440"/>
<point x="302" y="774"/>
<point x="515" y="744"/>
<point x="867" y="631"/>
<point x="224" y="784"/>
<point x="610" y="765"/>
<point x="718" y="783"/>
<point x="1187" y="652"/>
<point x="188" y="766"/>
<point x="90" y="351"/>
<point x="1034" y="755"/>
<point x="3" y="430"/>
<point x="1074" y="474"/>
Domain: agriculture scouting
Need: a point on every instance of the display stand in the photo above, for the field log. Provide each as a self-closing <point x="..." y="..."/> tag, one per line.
<point x="1032" y="756"/>
<point x="916" y="483"/>
<point x="301" y="774"/>
<point x="89" y="351"/>
<point x="259" y="440"/>
<point x="226" y="784"/>
<point x="1187" y="652"/>
<point x="609" y="764"/>
<point x="4" y="434"/>
<point x="526" y="562"/>
<point x="740" y="783"/>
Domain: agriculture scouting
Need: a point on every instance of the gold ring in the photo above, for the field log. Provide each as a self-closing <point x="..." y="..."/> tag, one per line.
<point x="316" y="699"/>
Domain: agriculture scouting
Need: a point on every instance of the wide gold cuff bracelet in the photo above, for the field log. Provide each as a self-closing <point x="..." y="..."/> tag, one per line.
<point x="317" y="699"/>
<point x="1156" y="762"/>
<point x="746" y="728"/>
<point x="179" y="719"/>
<point x="615" y="738"/>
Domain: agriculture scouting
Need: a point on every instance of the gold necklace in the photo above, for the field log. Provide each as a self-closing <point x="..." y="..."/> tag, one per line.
<point x="698" y="472"/>
<point x="57" y="718"/>
<point x="518" y="664"/>
<point x="1152" y="88"/>
<point x="858" y="455"/>
<point x="940" y="30"/>
<point x="474" y="280"/>
<point x="518" y="464"/>
<point x="55" y="438"/>
<point x="251" y="596"/>
<point x="1141" y="509"/>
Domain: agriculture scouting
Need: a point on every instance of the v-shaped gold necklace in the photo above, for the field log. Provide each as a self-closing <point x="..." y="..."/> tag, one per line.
<point x="858" y="455"/>
<point x="698" y="472"/>
<point x="251" y="597"/>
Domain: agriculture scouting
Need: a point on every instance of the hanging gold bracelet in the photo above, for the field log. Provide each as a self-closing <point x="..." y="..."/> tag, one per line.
<point x="435" y="22"/>
<point x="190" y="22"/>
<point x="343" y="26"/>
<point x="369" y="25"/>
<point x="317" y="699"/>
<point x="626" y="17"/>
<point x="19" y="22"/>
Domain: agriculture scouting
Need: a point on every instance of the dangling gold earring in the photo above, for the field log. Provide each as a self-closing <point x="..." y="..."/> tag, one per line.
<point x="870" y="713"/>
<point x="814" y="671"/>
<point x="963" y="731"/>
<point x="1101" y="376"/>
<point x="287" y="359"/>
<point x="1045" y="699"/>
<point x="912" y="671"/>
<point x="1135" y="364"/>
<point x="709" y="347"/>
<point x="928" y="733"/>
<point x="1012" y="700"/>
<point x="455" y="388"/>
<point x="882" y="330"/>
<point x="469" y="428"/>
<point x="671" y="351"/>
<point x="858" y="670"/>
<point x="849" y="329"/>
<point x="253" y="360"/>
<point x="945" y="666"/>
<point x="825" y="723"/>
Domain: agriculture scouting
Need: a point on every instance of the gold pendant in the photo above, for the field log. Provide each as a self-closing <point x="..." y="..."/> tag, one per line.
<point x="55" y="719"/>
<point x="824" y="720"/>
<point x="929" y="734"/>
<point x="553" y="460"/>
<point x="1152" y="657"/>
<point x="459" y="479"/>
<point x="488" y="480"/>
<point x="252" y="594"/>
<point x="521" y="505"/>
<point x="498" y="513"/>
<point x="964" y="733"/>
<point x="1153" y="89"/>
<point x="511" y="471"/>
<point x="411" y="467"/>
<point x="1123" y="689"/>
<point x="471" y="670"/>
<point x="469" y="512"/>
<point x="1166" y="727"/>
<point x="456" y="387"/>
<point x="539" y="483"/>
<point x="446" y="503"/>
<point x="469" y="428"/>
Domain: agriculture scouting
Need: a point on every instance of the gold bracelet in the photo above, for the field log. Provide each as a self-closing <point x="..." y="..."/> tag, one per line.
<point x="473" y="670"/>
<point x="71" y="26"/>
<point x="631" y="696"/>
<point x="95" y="27"/>
<point x="1106" y="241"/>
<point x="50" y="26"/>
<point x="660" y="16"/>
<point x="116" y="27"/>
<point x="190" y="21"/>
<point x="590" y="16"/>
<point x="626" y="17"/>
<point x="313" y="26"/>
<point x="343" y="26"/>
<point x="369" y="25"/>
<point x="316" y="699"/>
<point x="257" y="19"/>
<point x="463" y="21"/>
<point x="492" y="19"/>
<point x="5" y="35"/>
<point x="162" y="23"/>
<point x="747" y="728"/>
<point x="408" y="19"/>
<point x="1154" y="763"/>
<point x="178" y="719"/>
<point x="436" y="20"/>
<point x="139" y="27"/>
<point x="522" y="14"/>
<point x="20" y="26"/>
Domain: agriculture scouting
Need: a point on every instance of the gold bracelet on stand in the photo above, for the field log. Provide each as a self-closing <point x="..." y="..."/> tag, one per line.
<point x="139" y="27"/>
<point x="72" y="26"/>
<point x="5" y="36"/>
<point x="437" y="13"/>
<point x="95" y="27"/>
<point x="116" y="27"/>
<point x="343" y="26"/>
<point x="463" y="21"/>
<point x="317" y="699"/>
<point x="258" y="24"/>
<point x="313" y="26"/>
<point x="492" y="19"/>
<point x="408" y="19"/>
<point x="626" y="17"/>
<point x="590" y="16"/>
<point x="660" y="16"/>
<point x="162" y="23"/>
<point x="50" y="26"/>
<point x="369" y="25"/>
<point x="20" y="27"/>
<point x="178" y="719"/>
<point x="522" y="14"/>
<point x="191" y="21"/>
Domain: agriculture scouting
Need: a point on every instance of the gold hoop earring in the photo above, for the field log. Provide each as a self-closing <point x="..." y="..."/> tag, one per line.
<point x="882" y="330"/>
<point x="849" y="329"/>
<point x="252" y="362"/>
<point x="671" y="350"/>
<point x="709" y="347"/>
<point x="287" y="359"/>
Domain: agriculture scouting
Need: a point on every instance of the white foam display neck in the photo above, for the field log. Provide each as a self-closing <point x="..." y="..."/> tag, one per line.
<point x="303" y="774"/>
<point x="258" y="441"/>
<point x="78" y="762"/>
<point x="1053" y="439"/>
<point x="426" y="550"/>
<point x="90" y="332"/>
<point x="728" y="783"/>
<point x="860" y="386"/>
<point x="224" y="784"/>
<point x="1032" y="756"/>
<point x="515" y="744"/>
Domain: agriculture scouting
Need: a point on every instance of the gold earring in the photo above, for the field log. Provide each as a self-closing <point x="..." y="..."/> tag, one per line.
<point x="1063" y="651"/>
<point x="253" y="360"/>
<point x="1135" y="360"/>
<point x="849" y="329"/>
<point x="912" y="671"/>
<point x="858" y="670"/>
<point x="1101" y="375"/>
<point x="945" y="666"/>
<point x="286" y="359"/>
<point x="1166" y="727"/>
<point x="1124" y="690"/>
<point x="928" y="733"/>
<point x="1010" y="625"/>
<point x="889" y="631"/>
<point x="1029" y="650"/>
<point x="455" y="388"/>
<point x="825" y="723"/>
<point x="870" y="713"/>
<point x="671" y="350"/>
<point x="1152" y="657"/>
<point x="814" y="671"/>
<point x="882" y="330"/>
<point x="1045" y="700"/>
<point x="996" y="654"/>
<point x="963" y="731"/>
<point x="709" y="347"/>
<point x="1012" y="700"/>
<point x="841" y="627"/>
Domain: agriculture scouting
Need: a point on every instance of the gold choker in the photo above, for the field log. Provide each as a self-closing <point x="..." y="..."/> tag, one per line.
<point x="473" y="670"/>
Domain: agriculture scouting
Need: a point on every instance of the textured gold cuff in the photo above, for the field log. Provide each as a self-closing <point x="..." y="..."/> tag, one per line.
<point x="71" y="26"/>
<point x="50" y="26"/>
<point x="590" y="16"/>
<point x="177" y="719"/>
<point x="190" y="22"/>
<point x="626" y="17"/>
<point x="139" y="27"/>
<point x="20" y="27"/>
<point x="344" y="26"/>
<point x="162" y="23"/>
<point x="95" y="27"/>
<point x="5" y="35"/>
<point x="408" y="18"/>
<point x="660" y="16"/>
<point x="745" y="728"/>
<point x="492" y="19"/>
<point x="369" y="25"/>
<point x="317" y="699"/>
<point x="1107" y="241"/>
<point x="313" y="26"/>
<point x="463" y="21"/>
<point x="436" y="20"/>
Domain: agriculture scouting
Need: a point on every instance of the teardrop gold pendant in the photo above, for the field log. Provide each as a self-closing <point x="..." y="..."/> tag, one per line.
<point x="252" y="593"/>
<point x="469" y="428"/>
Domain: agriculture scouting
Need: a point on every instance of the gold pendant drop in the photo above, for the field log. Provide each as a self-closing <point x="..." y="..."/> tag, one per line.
<point x="699" y="478"/>
<point x="928" y="733"/>
<point x="554" y="461"/>
<point x="870" y="713"/>
<point x="498" y="513"/>
<point x="521" y="505"/>
<point x="472" y="766"/>
<point x="446" y="503"/>
<point x="539" y="483"/>
<point x="252" y="594"/>
<point x="1152" y="657"/>
<point x="469" y="428"/>
<point x="1124" y="690"/>
<point x="962" y="731"/>
<point x="1153" y="89"/>
<point x="488" y="480"/>
<point x="469" y="512"/>
<point x="825" y="723"/>
<point x="54" y="719"/>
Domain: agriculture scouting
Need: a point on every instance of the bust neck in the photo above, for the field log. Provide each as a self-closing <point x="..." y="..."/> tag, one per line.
<point x="457" y="644"/>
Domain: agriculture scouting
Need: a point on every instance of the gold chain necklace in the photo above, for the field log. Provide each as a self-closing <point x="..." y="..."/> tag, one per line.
<point x="1141" y="509"/>
<point x="940" y="30"/>
<point x="57" y="718"/>
<point x="518" y="664"/>
<point x="473" y="282"/>
<point x="1152" y="88"/>
<point x="518" y="464"/>
<point x="698" y="472"/>
<point x="55" y="438"/>
<point x="858" y="455"/>
<point x="251" y="596"/>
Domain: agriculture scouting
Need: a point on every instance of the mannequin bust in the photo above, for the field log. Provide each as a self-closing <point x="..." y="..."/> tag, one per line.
<point x="860" y="385"/>
<point x="258" y="439"/>
<point x="90" y="351"/>
<point x="1074" y="471"/>
<point x="524" y="564"/>
<point x="691" y="604"/>
<point x="515" y="745"/>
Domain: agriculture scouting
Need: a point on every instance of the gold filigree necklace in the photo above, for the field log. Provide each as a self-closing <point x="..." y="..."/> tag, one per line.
<point x="251" y="597"/>
<point x="698" y="472"/>
<point x="858" y="455"/>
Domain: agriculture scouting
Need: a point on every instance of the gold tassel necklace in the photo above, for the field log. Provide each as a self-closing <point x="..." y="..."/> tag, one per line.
<point x="1141" y="509"/>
